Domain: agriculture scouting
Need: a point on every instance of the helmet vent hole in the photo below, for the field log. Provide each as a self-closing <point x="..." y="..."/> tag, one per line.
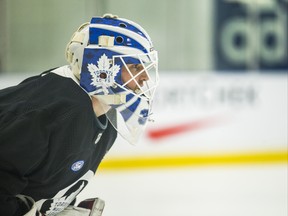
<point x="103" y="75"/>
<point x="119" y="39"/>
<point x="123" y="25"/>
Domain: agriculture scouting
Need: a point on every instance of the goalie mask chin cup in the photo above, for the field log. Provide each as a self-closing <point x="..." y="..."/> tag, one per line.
<point x="100" y="52"/>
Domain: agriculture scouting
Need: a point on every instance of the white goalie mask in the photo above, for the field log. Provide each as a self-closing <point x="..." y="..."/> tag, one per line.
<point x="115" y="61"/>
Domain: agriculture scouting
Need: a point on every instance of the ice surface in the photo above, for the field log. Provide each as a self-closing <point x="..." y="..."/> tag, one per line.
<point x="208" y="191"/>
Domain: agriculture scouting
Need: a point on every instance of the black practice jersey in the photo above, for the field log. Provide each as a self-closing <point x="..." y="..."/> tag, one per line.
<point x="51" y="142"/>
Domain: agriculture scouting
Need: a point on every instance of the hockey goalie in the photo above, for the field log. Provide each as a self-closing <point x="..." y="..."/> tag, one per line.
<point x="56" y="127"/>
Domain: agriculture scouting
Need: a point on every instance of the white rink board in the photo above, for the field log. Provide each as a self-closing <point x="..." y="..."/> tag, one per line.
<point x="236" y="112"/>
<point x="230" y="113"/>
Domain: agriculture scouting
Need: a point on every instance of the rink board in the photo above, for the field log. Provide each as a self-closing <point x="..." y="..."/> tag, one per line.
<point x="211" y="119"/>
<point x="207" y="119"/>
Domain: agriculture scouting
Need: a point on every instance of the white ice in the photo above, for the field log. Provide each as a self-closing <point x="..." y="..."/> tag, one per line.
<point x="250" y="190"/>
